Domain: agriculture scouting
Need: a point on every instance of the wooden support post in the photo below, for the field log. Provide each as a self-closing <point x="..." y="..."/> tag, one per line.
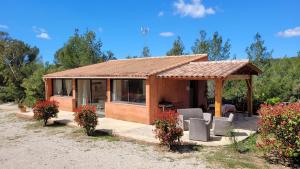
<point x="74" y="97"/>
<point x="249" y="96"/>
<point x="218" y="97"/>
<point x="74" y="88"/>
<point x="48" y="88"/>
<point x="108" y="93"/>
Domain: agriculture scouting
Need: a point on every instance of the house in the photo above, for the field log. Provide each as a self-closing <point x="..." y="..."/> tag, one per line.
<point x="135" y="89"/>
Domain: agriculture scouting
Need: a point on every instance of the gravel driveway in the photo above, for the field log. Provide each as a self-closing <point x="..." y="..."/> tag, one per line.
<point x="24" y="144"/>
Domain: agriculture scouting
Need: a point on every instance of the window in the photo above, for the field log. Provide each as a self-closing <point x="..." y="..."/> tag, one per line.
<point x="133" y="91"/>
<point x="91" y="92"/>
<point x="62" y="87"/>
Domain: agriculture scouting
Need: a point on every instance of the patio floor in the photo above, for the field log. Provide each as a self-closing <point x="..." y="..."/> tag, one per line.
<point x="243" y="126"/>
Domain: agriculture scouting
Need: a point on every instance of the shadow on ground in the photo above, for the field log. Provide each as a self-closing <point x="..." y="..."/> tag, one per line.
<point x="56" y="124"/>
<point x="186" y="148"/>
<point x="102" y="132"/>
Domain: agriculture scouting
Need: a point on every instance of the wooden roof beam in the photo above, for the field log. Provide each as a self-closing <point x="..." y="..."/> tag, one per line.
<point x="238" y="77"/>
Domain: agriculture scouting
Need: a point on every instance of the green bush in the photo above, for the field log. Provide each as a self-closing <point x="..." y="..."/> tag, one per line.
<point x="273" y="101"/>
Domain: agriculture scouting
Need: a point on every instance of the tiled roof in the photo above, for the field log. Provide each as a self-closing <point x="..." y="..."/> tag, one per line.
<point x="129" y="68"/>
<point x="211" y="69"/>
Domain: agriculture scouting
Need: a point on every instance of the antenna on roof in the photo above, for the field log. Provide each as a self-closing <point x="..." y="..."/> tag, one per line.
<point x="145" y="31"/>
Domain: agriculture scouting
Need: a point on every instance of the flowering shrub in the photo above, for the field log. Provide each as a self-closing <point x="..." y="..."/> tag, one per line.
<point x="166" y="129"/>
<point x="279" y="129"/>
<point x="44" y="110"/>
<point x="87" y="118"/>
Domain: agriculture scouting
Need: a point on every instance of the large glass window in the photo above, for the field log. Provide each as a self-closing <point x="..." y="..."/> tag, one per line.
<point x="133" y="91"/>
<point x="83" y="92"/>
<point x="92" y="92"/>
<point x="62" y="87"/>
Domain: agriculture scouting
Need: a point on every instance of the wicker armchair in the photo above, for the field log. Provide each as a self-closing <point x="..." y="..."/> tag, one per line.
<point x="199" y="130"/>
<point x="186" y="114"/>
<point x="222" y="125"/>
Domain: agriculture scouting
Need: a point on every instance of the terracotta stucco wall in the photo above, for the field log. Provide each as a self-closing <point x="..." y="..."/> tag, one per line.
<point x="65" y="103"/>
<point x="175" y="91"/>
<point x="127" y="112"/>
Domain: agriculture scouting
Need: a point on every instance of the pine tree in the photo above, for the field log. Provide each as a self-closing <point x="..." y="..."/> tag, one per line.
<point x="214" y="47"/>
<point x="177" y="48"/>
<point x="257" y="52"/>
<point x="80" y="50"/>
<point x="146" y="52"/>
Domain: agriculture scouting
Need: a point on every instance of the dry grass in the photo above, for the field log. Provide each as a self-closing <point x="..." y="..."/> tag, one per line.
<point x="230" y="157"/>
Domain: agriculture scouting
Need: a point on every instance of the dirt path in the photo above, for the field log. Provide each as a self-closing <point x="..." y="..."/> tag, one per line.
<point x="24" y="144"/>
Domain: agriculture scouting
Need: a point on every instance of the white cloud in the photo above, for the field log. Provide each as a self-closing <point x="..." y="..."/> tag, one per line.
<point x="161" y="13"/>
<point x="100" y="29"/>
<point x="194" y="9"/>
<point x="41" y="33"/>
<point x="166" y="34"/>
<point x="290" y="32"/>
<point x="3" y="27"/>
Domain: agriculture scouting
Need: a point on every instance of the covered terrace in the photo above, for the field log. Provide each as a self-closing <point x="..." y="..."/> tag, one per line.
<point x="218" y="71"/>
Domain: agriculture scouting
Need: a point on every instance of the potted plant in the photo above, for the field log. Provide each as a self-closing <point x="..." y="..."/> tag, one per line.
<point x="21" y="106"/>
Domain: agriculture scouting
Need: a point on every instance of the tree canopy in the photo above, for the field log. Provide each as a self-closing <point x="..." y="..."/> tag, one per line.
<point x="80" y="50"/>
<point x="177" y="49"/>
<point x="146" y="52"/>
<point x="214" y="47"/>
<point x="108" y="55"/>
<point x="257" y="52"/>
<point x="17" y="61"/>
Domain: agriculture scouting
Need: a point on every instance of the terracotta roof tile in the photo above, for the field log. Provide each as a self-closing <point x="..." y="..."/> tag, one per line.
<point x="211" y="69"/>
<point x="129" y="68"/>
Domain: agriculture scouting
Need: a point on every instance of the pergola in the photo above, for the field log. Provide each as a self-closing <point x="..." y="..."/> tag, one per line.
<point x="219" y="71"/>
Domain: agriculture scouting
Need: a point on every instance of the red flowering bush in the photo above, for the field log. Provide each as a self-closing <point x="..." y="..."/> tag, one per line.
<point x="44" y="110"/>
<point x="279" y="129"/>
<point x="166" y="129"/>
<point x="87" y="118"/>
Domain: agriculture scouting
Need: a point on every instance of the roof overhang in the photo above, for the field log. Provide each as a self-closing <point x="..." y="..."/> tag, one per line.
<point x="95" y="77"/>
<point x="209" y="70"/>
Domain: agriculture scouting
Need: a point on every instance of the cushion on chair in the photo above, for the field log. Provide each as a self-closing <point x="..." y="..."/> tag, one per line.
<point x="231" y="116"/>
<point x="208" y="119"/>
<point x="191" y="113"/>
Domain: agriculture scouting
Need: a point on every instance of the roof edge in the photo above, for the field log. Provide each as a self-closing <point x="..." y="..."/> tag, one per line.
<point x="154" y="57"/>
<point x="180" y="64"/>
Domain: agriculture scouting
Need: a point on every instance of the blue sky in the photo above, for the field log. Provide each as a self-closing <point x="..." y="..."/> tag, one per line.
<point x="49" y="24"/>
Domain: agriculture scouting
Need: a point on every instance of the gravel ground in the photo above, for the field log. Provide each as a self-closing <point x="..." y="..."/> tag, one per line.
<point x="24" y="144"/>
